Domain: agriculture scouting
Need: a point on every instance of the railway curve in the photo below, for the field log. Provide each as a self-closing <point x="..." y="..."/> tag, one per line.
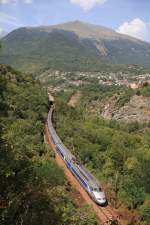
<point x="106" y="215"/>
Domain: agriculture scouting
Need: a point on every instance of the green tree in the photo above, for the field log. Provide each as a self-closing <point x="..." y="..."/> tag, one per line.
<point x="145" y="213"/>
<point x="130" y="193"/>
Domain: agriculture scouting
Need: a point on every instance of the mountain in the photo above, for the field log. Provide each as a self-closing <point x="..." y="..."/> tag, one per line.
<point x="85" y="30"/>
<point x="71" y="46"/>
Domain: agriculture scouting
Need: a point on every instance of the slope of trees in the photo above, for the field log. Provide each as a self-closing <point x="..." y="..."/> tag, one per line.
<point x="35" y="50"/>
<point x="114" y="154"/>
<point x="32" y="189"/>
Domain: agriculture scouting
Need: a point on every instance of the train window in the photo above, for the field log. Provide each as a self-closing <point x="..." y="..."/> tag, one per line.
<point x="97" y="189"/>
<point x="75" y="161"/>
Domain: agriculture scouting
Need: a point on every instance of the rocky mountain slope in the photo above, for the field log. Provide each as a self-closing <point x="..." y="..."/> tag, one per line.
<point x="136" y="110"/>
<point x="71" y="46"/>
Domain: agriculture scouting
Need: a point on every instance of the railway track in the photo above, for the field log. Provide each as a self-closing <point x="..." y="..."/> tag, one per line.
<point x="106" y="215"/>
<point x="111" y="217"/>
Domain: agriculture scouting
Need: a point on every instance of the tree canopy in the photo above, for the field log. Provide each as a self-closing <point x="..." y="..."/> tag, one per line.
<point x="32" y="189"/>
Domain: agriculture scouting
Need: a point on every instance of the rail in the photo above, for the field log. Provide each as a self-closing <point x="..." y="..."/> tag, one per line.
<point x="107" y="215"/>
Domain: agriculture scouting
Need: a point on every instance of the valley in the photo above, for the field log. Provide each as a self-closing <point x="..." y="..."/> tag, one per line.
<point x="91" y="116"/>
<point x="100" y="80"/>
<point x="128" y="97"/>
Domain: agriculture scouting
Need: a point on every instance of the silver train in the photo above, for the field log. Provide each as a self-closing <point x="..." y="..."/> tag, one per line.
<point x="88" y="182"/>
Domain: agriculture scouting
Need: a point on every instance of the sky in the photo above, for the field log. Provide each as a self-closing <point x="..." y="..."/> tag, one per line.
<point x="130" y="17"/>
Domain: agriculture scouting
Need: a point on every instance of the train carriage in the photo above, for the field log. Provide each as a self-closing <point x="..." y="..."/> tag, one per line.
<point x="88" y="182"/>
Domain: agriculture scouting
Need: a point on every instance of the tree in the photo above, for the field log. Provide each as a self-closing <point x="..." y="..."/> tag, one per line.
<point x="145" y="213"/>
<point x="131" y="194"/>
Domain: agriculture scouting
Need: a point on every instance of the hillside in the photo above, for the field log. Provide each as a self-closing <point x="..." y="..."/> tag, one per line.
<point x="135" y="109"/>
<point x="116" y="152"/>
<point x="71" y="46"/>
<point x="33" y="189"/>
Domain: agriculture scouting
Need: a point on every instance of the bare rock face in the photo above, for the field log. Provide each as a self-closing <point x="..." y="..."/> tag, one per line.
<point x="137" y="109"/>
<point x="74" y="99"/>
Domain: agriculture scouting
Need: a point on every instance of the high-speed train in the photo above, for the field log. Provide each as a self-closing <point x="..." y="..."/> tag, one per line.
<point x="88" y="182"/>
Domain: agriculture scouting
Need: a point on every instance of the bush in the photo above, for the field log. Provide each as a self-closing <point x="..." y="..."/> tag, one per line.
<point x="145" y="213"/>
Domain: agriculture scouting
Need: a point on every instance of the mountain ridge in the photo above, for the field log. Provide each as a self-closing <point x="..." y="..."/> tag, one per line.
<point x="71" y="46"/>
<point x="91" y="30"/>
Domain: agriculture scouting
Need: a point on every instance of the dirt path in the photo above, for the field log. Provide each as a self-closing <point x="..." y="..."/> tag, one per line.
<point x="74" y="99"/>
<point x="104" y="214"/>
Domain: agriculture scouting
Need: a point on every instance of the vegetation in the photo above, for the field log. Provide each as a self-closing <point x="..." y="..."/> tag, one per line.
<point x="35" y="50"/>
<point x="116" y="154"/>
<point x="32" y="189"/>
<point x="145" y="213"/>
<point x="125" y="97"/>
<point x="96" y="91"/>
<point x="145" y="91"/>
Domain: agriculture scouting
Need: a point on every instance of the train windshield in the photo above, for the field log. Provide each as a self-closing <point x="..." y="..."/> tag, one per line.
<point x="96" y="189"/>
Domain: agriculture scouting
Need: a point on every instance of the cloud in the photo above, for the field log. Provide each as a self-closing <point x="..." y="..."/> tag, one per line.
<point x="5" y="1"/>
<point x="28" y="1"/>
<point x="136" y="28"/>
<point x="87" y="4"/>
<point x="15" y="1"/>
<point x="11" y="20"/>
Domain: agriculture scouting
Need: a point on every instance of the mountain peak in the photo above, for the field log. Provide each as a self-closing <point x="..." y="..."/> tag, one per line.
<point x="76" y="22"/>
<point x="87" y="30"/>
<point x="72" y="45"/>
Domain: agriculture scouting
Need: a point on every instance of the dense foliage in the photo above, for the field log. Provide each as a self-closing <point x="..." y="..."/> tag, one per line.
<point x="145" y="213"/>
<point x="115" y="153"/>
<point x="32" y="189"/>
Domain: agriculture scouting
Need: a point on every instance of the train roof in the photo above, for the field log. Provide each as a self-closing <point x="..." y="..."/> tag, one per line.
<point x="87" y="176"/>
<point x="50" y="125"/>
<point x="81" y="169"/>
<point x="64" y="148"/>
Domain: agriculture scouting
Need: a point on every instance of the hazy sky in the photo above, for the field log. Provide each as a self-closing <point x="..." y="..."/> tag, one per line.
<point x="126" y="16"/>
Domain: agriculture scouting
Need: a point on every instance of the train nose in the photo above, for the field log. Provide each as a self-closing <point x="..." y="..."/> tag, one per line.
<point x="100" y="197"/>
<point x="101" y="201"/>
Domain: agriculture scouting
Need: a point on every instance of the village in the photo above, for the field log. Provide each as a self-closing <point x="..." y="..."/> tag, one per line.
<point x="62" y="80"/>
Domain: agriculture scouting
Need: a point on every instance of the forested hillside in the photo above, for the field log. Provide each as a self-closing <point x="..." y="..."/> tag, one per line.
<point x="118" y="154"/>
<point x="32" y="187"/>
<point x="31" y="50"/>
<point x="73" y="46"/>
